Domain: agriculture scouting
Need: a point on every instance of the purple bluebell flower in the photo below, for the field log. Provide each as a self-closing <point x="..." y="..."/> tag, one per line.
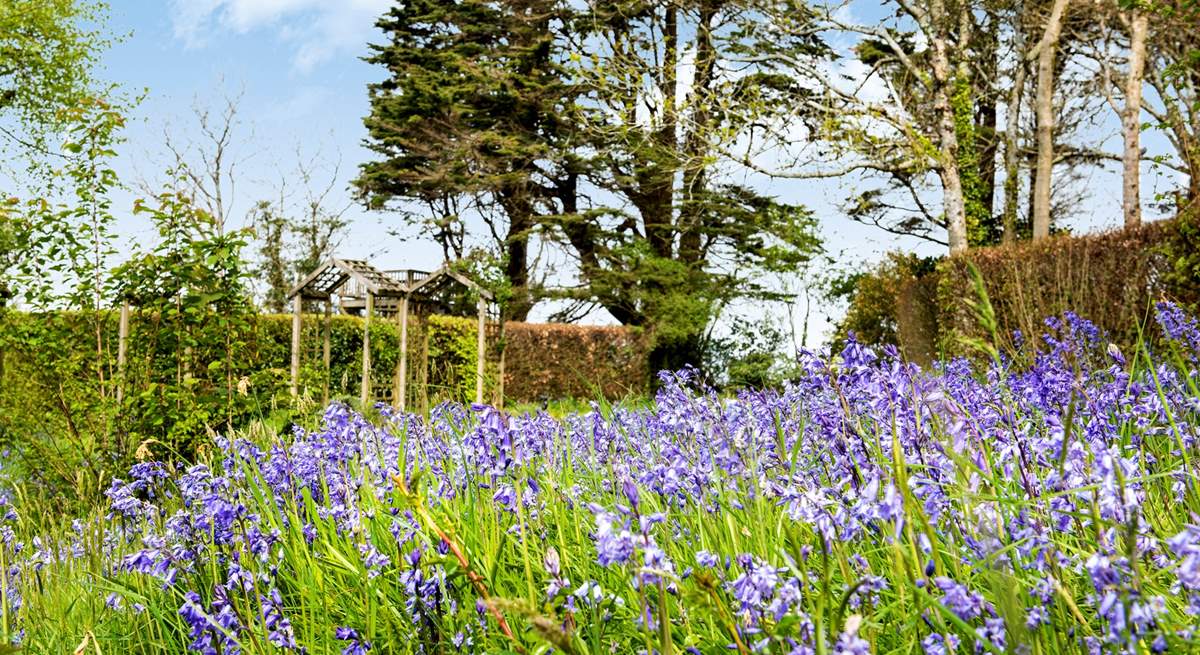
<point x="355" y="644"/>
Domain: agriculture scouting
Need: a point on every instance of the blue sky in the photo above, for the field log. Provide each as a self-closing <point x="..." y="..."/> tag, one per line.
<point x="295" y="65"/>
<point x="295" y="68"/>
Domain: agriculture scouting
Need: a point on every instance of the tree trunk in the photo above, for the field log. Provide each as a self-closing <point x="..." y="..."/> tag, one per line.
<point x="655" y="174"/>
<point x="989" y="101"/>
<point x="695" y="167"/>
<point x="1131" y="123"/>
<point x="1012" y="152"/>
<point x="1044" y="107"/>
<point x="955" y="208"/>
<point x="986" y="129"/>
<point x="516" y="260"/>
<point x="953" y="203"/>
<point x="673" y="354"/>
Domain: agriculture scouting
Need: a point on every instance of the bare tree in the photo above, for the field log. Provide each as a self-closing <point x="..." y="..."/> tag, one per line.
<point x="208" y="165"/>
<point x="300" y="227"/>
<point x="320" y="217"/>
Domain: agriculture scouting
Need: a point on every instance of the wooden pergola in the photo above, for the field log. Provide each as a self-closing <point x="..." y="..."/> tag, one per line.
<point x="360" y="286"/>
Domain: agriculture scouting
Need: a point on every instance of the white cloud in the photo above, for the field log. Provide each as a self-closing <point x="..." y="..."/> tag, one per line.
<point x="317" y="29"/>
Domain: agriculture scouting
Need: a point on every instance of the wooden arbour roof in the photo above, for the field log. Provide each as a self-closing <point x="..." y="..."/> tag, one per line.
<point x="335" y="273"/>
<point x="330" y="276"/>
<point x="356" y="281"/>
<point x="443" y="276"/>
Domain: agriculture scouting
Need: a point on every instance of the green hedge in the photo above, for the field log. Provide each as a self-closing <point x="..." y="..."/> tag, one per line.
<point x="172" y="393"/>
<point x="63" y="426"/>
<point x="232" y="377"/>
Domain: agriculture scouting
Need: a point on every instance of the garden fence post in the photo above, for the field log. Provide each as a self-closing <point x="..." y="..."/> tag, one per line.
<point x="500" y="372"/>
<point x="325" y="354"/>
<point x="297" y="306"/>
<point x="402" y="365"/>
<point x="479" y="353"/>
<point x="365" y="395"/>
<point x="425" y="367"/>
<point x="122" y="350"/>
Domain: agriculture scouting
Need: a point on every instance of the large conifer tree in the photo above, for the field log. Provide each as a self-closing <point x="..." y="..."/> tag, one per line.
<point x="605" y="129"/>
<point x="468" y="121"/>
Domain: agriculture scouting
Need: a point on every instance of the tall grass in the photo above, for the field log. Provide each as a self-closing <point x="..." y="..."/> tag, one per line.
<point x="868" y="507"/>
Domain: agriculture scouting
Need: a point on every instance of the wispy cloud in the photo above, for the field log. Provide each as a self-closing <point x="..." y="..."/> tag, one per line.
<point x="317" y="29"/>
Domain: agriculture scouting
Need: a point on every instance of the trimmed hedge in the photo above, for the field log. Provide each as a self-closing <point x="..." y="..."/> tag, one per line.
<point x="542" y="361"/>
<point x="1110" y="278"/>
<point x="553" y="361"/>
<point x="173" y="394"/>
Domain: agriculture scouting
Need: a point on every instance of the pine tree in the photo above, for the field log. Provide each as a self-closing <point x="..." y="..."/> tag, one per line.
<point x="470" y="118"/>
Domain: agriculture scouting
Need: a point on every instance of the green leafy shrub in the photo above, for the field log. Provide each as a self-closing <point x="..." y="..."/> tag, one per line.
<point x="753" y="355"/>
<point x="874" y="296"/>
<point x="1182" y="251"/>
<point x="452" y="354"/>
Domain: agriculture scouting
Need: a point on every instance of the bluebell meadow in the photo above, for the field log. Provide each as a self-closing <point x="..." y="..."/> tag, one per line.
<point x="869" y="506"/>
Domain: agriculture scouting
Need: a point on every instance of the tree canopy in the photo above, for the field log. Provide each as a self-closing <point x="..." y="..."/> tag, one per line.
<point x="48" y="50"/>
<point x="599" y="132"/>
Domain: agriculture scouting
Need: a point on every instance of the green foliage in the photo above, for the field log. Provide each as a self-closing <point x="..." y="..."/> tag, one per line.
<point x="982" y="227"/>
<point x="56" y="422"/>
<point x="192" y="286"/>
<point x="67" y="433"/>
<point x="56" y="253"/>
<point x="470" y="115"/>
<point x="452" y="354"/>
<point x="191" y="374"/>
<point x="753" y="355"/>
<point x="681" y="239"/>
<point x="1182" y="252"/>
<point x="50" y="50"/>
<point x="872" y="314"/>
<point x="525" y="107"/>
<point x="270" y="227"/>
<point x="56" y="249"/>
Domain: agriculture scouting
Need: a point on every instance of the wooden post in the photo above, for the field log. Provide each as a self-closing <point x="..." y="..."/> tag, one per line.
<point x="425" y="368"/>
<point x="400" y="396"/>
<point x="325" y="354"/>
<point x="297" y="306"/>
<point x="366" y="352"/>
<point x="479" y="354"/>
<point x="500" y="369"/>
<point x="122" y="350"/>
<point x="3" y="302"/>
